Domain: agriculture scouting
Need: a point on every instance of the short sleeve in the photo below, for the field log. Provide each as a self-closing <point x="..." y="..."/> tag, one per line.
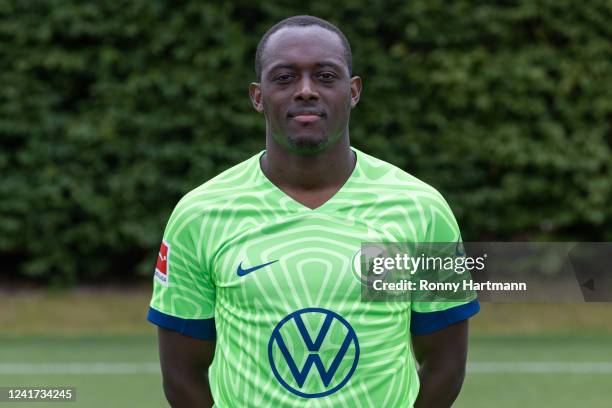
<point x="183" y="289"/>
<point x="428" y="317"/>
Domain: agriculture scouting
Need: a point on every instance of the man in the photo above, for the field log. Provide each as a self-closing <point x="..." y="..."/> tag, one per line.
<point x="256" y="267"/>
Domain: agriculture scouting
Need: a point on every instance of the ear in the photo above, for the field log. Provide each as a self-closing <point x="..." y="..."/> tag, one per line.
<point x="255" y="94"/>
<point x="356" y="86"/>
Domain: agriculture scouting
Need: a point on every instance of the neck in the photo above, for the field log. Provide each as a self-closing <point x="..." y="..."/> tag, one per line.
<point x="328" y="168"/>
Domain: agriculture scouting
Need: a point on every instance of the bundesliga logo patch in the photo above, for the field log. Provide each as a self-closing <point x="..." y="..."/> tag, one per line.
<point x="161" y="268"/>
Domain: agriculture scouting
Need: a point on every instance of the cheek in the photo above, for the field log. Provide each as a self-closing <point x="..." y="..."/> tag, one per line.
<point x="274" y="108"/>
<point x="340" y="100"/>
<point x="341" y="109"/>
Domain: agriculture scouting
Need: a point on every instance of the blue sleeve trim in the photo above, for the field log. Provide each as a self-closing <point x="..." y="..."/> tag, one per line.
<point x="426" y="323"/>
<point x="203" y="329"/>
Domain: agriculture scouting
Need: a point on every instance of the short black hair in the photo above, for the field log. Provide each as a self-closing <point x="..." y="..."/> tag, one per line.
<point x="302" y="21"/>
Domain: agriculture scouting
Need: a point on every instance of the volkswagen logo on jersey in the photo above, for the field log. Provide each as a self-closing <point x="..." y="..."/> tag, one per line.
<point x="313" y="352"/>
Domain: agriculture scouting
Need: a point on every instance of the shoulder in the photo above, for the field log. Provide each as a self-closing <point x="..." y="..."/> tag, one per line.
<point x="203" y="199"/>
<point x="400" y="189"/>
<point x="386" y="176"/>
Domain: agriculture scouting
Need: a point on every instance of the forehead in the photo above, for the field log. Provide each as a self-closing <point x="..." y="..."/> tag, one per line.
<point x="302" y="46"/>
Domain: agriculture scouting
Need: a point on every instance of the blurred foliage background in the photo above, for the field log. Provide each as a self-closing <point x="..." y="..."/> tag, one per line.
<point x="110" y="111"/>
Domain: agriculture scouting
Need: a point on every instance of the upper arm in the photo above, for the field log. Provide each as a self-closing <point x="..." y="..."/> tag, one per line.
<point x="183" y="301"/>
<point x="180" y="354"/>
<point x="448" y="344"/>
<point x="438" y="320"/>
<point x="184" y="363"/>
<point x="183" y="308"/>
<point x="184" y="292"/>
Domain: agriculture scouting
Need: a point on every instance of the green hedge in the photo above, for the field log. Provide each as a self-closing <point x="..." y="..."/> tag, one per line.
<point x="111" y="111"/>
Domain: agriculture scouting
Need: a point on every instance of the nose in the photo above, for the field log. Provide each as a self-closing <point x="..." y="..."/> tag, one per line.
<point x="305" y="90"/>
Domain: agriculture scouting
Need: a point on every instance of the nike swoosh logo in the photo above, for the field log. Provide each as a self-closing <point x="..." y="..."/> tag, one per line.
<point x="243" y="272"/>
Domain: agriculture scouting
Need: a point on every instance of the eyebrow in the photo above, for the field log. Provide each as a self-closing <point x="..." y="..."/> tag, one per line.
<point x="329" y="64"/>
<point x="282" y="66"/>
<point x="317" y="65"/>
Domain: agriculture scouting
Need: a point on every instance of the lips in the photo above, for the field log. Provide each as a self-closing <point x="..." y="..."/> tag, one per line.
<point x="306" y="115"/>
<point x="306" y="118"/>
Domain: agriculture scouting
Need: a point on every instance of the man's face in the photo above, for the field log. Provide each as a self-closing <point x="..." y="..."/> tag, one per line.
<point x="305" y="92"/>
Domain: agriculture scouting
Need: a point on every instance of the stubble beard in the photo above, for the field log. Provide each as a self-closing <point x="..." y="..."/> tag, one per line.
<point x="307" y="145"/>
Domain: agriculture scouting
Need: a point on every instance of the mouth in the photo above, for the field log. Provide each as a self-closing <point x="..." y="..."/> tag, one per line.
<point x="306" y="116"/>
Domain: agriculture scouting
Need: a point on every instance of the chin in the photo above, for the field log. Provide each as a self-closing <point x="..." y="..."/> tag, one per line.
<point x="307" y="143"/>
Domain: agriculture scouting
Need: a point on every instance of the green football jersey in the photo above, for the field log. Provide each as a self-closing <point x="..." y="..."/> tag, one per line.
<point x="276" y="284"/>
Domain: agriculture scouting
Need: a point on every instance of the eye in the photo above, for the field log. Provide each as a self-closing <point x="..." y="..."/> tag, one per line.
<point x="327" y="76"/>
<point x="283" y="78"/>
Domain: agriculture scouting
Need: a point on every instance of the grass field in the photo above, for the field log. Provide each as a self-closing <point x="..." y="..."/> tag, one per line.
<point x="520" y="355"/>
